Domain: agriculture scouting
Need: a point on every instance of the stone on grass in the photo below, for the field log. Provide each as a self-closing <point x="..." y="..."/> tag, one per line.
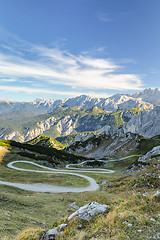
<point x="88" y="211"/>
<point x="152" y="219"/>
<point x="73" y="205"/>
<point x="51" y="234"/>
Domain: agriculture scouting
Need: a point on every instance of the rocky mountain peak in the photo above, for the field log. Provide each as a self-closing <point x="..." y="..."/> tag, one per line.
<point x="151" y="95"/>
<point x="145" y="124"/>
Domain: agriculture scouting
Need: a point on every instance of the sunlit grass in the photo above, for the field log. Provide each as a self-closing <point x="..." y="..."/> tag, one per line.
<point x="3" y="152"/>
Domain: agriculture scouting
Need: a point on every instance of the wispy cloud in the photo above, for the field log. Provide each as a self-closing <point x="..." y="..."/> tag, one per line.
<point x="104" y="17"/>
<point x="8" y="80"/>
<point x="30" y="90"/>
<point x="54" y="66"/>
<point x="37" y="90"/>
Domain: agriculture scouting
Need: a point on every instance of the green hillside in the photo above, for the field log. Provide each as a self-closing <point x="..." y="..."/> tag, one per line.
<point x="46" y="141"/>
<point x="42" y="153"/>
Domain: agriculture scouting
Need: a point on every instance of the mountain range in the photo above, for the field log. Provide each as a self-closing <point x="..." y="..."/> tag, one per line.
<point x="148" y="97"/>
<point x="23" y="121"/>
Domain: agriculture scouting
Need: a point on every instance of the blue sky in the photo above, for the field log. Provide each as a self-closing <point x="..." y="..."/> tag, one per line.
<point x="64" y="48"/>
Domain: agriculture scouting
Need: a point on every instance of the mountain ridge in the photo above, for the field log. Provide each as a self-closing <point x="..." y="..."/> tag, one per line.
<point x="112" y="103"/>
<point x="24" y="121"/>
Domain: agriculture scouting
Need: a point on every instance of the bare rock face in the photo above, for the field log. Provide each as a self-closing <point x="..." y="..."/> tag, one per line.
<point x="155" y="151"/>
<point x="113" y="140"/>
<point x="88" y="211"/>
<point x="146" y="124"/>
<point x="151" y="95"/>
<point x="113" y="103"/>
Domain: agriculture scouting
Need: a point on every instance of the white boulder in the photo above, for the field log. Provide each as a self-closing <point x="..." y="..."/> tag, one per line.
<point x="88" y="211"/>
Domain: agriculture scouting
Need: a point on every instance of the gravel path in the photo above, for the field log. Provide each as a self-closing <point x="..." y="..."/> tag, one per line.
<point x="37" y="187"/>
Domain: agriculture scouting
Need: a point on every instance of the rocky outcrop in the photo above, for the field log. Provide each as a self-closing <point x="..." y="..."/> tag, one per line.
<point x="154" y="152"/>
<point x="88" y="211"/>
<point x="28" y="133"/>
<point x="145" y="124"/>
<point x="151" y="95"/>
<point x="111" y="141"/>
<point x="65" y="126"/>
<point x="82" y="137"/>
<point x="102" y="145"/>
<point x="40" y="128"/>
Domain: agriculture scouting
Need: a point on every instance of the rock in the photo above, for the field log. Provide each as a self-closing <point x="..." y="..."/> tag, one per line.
<point x="157" y="236"/>
<point x="152" y="219"/>
<point x="150" y="95"/>
<point x="73" y="205"/>
<point x="155" y="151"/>
<point x="34" y="222"/>
<point x="62" y="226"/>
<point x="106" y="129"/>
<point x="104" y="182"/>
<point x="156" y="193"/>
<point x="51" y="234"/>
<point x="72" y="215"/>
<point x="88" y="211"/>
<point x="129" y="224"/>
<point x="80" y="226"/>
<point x="145" y="123"/>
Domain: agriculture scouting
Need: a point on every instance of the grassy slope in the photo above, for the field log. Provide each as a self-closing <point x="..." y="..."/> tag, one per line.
<point x="52" y="155"/>
<point x="133" y="215"/>
<point x="128" y="205"/>
<point x="22" y="209"/>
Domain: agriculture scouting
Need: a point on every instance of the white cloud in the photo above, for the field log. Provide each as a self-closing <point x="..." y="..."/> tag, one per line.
<point x="47" y="91"/>
<point x="8" y="80"/>
<point x="63" y="68"/>
<point x="98" y="63"/>
<point x="37" y="90"/>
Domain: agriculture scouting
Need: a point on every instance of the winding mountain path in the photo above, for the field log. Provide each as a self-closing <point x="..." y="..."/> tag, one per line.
<point x="37" y="187"/>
